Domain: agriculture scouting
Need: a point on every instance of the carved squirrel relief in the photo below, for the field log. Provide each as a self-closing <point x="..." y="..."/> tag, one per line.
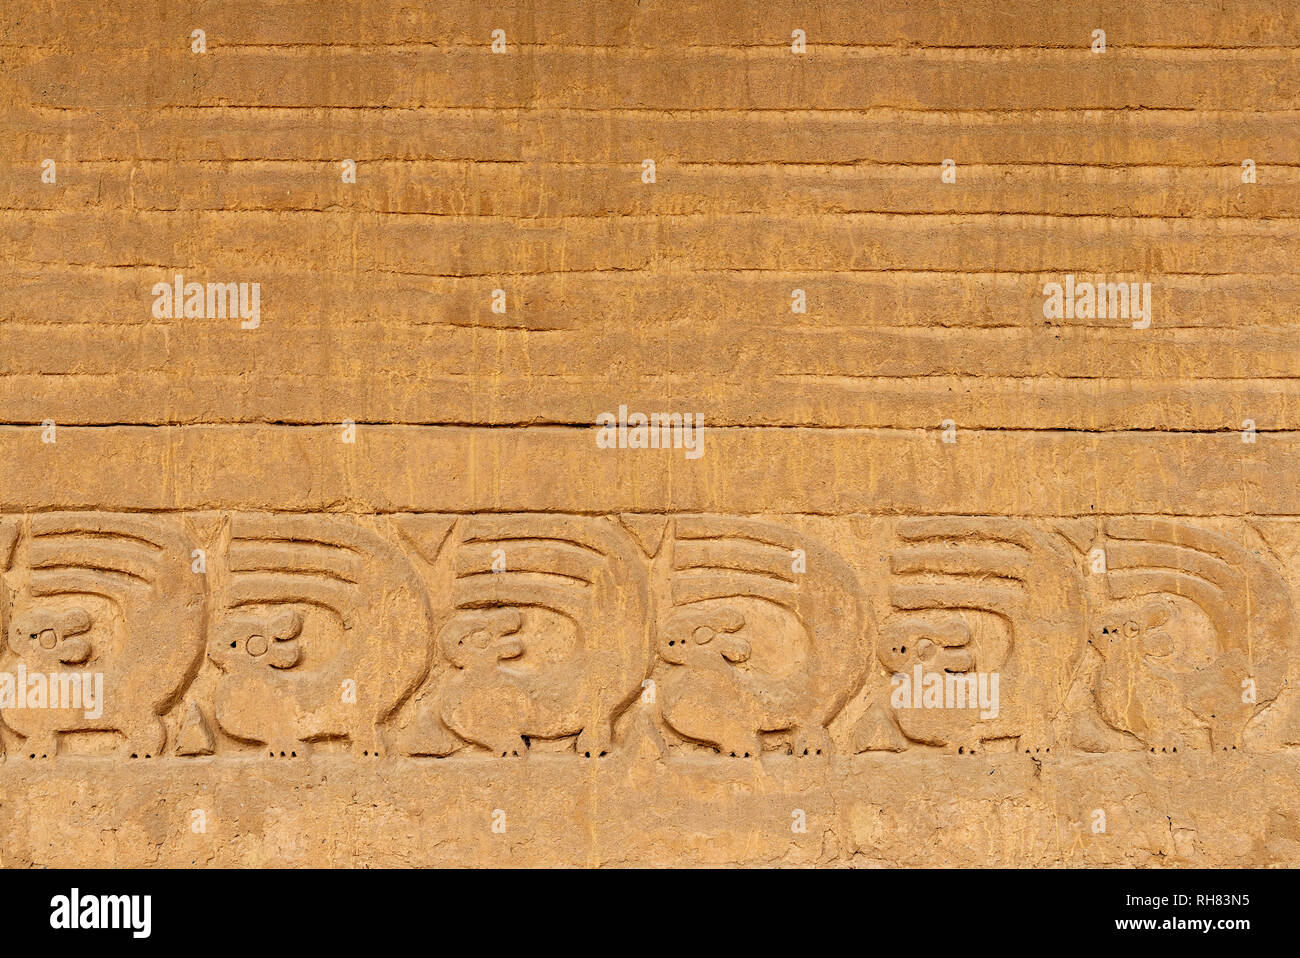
<point x="505" y="634"/>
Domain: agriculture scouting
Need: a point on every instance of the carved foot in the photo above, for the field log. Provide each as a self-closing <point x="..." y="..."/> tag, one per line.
<point x="291" y="749"/>
<point x="146" y="739"/>
<point x="741" y="746"/>
<point x="41" y="746"/>
<point x="1037" y="741"/>
<point x="810" y="740"/>
<point x="594" y="741"/>
<point x="513" y="747"/>
<point x="1167" y="743"/>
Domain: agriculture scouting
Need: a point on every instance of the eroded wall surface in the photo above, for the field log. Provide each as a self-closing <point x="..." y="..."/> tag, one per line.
<point x="662" y="433"/>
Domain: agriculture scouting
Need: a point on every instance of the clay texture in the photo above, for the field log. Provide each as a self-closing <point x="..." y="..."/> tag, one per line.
<point x="657" y="433"/>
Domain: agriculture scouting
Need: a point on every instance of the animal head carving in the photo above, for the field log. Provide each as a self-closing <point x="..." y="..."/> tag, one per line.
<point x="482" y="637"/>
<point x="536" y="590"/>
<point x="258" y="641"/>
<point x="701" y="638"/>
<point x="767" y="601"/>
<point x="938" y="641"/>
<point x="320" y="597"/>
<point x="115" y="589"/>
<point x="987" y="595"/>
<point x="1194" y="616"/>
<point x="49" y="638"/>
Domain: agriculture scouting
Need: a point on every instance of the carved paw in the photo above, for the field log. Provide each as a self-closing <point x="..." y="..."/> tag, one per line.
<point x="1166" y="743"/>
<point x="1226" y="737"/>
<point x="145" y="739"/>
<point x="511" y="748"/>
<point x="42" y="746"/>
<point x="1035" y="742"/>
<point x="594" y="741"/>
<point x="810" y="740"/>
<point x="288" y="750"/>
<point x="741" y="746"/>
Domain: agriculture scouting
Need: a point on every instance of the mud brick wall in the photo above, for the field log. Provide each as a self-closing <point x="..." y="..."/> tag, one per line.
<point x="324" y="333"/>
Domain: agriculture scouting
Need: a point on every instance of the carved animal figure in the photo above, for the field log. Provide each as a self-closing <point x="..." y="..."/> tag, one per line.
<point x="108" y="594"/>
<point x="985" y="595"/>
<point x="323" y="634"/>
<point x="1194" y="635"/>
<point x="765" y="632"/>
<point x="549" y="635"/>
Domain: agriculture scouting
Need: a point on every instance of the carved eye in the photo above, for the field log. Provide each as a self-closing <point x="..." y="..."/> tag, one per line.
<point x="257" y="645"/>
